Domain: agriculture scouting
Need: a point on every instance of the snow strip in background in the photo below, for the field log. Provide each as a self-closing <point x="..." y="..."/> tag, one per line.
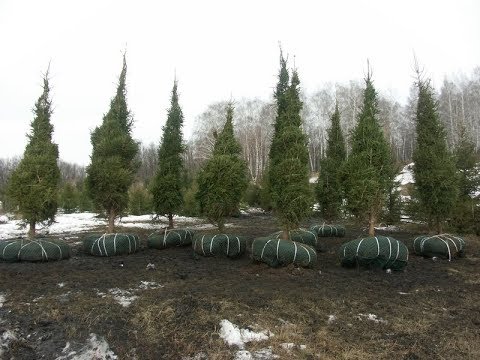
<point x="96" y="348"/>
<point x="406" y="175"/>
<point x="71" y="224"/>
<point x="233" y="335"/>
<point x="2" y="299"/>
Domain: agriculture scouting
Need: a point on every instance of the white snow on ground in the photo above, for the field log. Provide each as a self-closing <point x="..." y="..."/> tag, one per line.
<point x="406" y="175"/>
<point x="2" y="299"/>
<point x="262" y="354"/>
<point x="372" y="317"/>
<point x="331" y="319"/>
<point x="127" y="297"/>
<point x="6" y="337"/>
<point x="123" y="297"/>
<point x="3" y="219"/>
<point x="233" y="335"/>
<point x="313" y="179"/>
<point x="391" y="228"/>
<point x="96" y="348"/>
<point x="68" y="224"/>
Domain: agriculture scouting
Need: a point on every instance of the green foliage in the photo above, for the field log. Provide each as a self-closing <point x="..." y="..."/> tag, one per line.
<point x="191" y="207"/>
<point x="139" y="200"/>
<point x="113" y="165"/>
<point x="84" y="201"/>
<point x="252" y="196"/>
<point x="288" y="174"/>
<point x="223" y="179"/>
<point x="69" y="198"/>
<point x="33" y="185"/>
<point x="393" y="210"/>
<point x="368" y="171"/>
<point x="329" y="189"/>
<point x="466" y="217"/>
<point x="167" y="184"/>
<point x="434" y="169"/>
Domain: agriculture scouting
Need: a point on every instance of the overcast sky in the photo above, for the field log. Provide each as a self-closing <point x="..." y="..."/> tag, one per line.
<point x="217" y="48"/>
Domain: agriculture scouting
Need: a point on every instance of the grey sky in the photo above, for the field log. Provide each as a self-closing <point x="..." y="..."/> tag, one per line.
<point x="218" y="49"/>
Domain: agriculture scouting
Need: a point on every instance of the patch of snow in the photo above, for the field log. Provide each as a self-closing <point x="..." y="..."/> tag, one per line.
<point x="262" y="354"/>
<point x="3" y="219"/>
<point x="123" y="297"/>
<point x="233" y="335"/>
<point x="313" y="179"/>
<point x="37" y="299"/>
<point x="287" y="346"/>
<point x="372" y="317"/>
<point x="96" y="348"/>
<point x="403" y="293"/>
<point x="6" y="337"/>
<point x="390" y="228"/>
<point x="2" y="299"/>
<point x="406" y="175"/>
<point x="149" y="285"/>
<point x="199" y="356"/>
<point x="303" y="347"/>
<point x="331" y="319"/>
<point x="61" y="285"/>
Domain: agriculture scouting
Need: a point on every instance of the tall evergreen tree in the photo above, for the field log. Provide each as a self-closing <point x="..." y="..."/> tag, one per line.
<point x="223" y="180"/>
<point x="33" y="185"/>
<point x="367" y="172"/>
<point x="113" y="162"/>
<point x="288" y="172"/>
<point x="329" y="189"/>
<point x="434" y="169"/>
<point x="167" y="185"/>
<point x="467" y="212"/>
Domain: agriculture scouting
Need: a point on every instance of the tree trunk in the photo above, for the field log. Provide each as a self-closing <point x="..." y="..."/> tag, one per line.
<point x="439" y="226"/>
<point x="285" y="234"/>
<point x="170" y="221"/>
<point x="371" y="224"/>
<point x="31" y="230"/>
<point x="111" y="221"/>
<point x="221" y="226"/>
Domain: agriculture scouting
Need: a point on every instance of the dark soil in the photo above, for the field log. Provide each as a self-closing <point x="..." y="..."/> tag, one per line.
<point x="430" y="311"/>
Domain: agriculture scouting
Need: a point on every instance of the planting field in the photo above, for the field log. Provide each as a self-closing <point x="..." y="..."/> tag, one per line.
<point x="173" y="304"/>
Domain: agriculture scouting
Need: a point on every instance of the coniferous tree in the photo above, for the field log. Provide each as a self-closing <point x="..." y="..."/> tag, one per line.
<point x="33" y="185"/>
<point x="167" y="185"/>
<point x="368" y="171"/>
<point x="434" y="169"/>
<point x="329" y="189"/>
<point x="68" y="197"/>
<point x="223" y="180"/>
<point x="113" y="160"/>
<point x="288" y="169"/>
<point x="467" y="213"/>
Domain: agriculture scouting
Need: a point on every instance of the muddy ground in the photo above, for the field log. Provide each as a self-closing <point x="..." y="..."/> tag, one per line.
<point x="429" y="311"/>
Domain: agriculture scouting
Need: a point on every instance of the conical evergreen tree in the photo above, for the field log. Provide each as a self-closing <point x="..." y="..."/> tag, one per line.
<point x="113" y="160"/>
<point x="33" y="185"/>
<point x="466" y="217"/>
<point x="434" y="169"/>
<point x="223" y="180"/>
<point x="329" y="189"/>
<point x="288" y="172"/>
<point x="167" y="185"/>
<point x="367" y="172"/>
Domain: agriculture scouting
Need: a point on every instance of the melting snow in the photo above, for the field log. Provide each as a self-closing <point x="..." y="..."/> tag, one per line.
<point x="331" y="319"/>
<point x="372" y="317"/>
<point x="61" y="285"/>
<point x="2" y="299"/>
<point x="3" y="219"/>
<point x="123" y="297"/>
<point x="149" y="285"/>
<point x="233" y="335"/>
<point x="262" y="354"/>
<point x="6" y="337"/>
<point x="96" y="348"/>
